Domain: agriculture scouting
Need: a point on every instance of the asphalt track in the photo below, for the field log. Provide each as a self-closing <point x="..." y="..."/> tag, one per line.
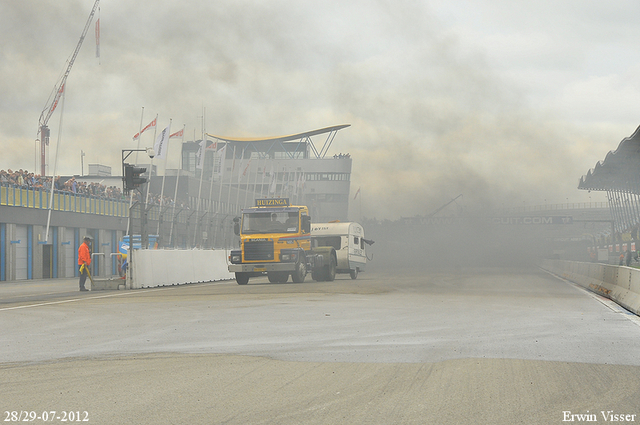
<point x="481" y="346"/>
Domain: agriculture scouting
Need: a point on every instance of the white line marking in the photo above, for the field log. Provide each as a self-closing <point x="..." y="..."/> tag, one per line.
<point x="126" y="292"/>
<point x="612" y="305"/>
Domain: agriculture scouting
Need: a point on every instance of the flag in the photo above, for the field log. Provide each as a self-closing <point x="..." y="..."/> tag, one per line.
<point x="240" y="168"/>
<point x="354" y="198"/>
<point x="213" y="146"/>
<point x="152" y="124"/>
<point x="201" y="154"/>
<point x="299" y="181"/>
<point x="162" y="142"/>
<point x="272" y="187"/>
<point x="221" y="157"/>
<point x="98" y="38"/>
<point x="244" y="173"/>
<point x="177" y="134"/>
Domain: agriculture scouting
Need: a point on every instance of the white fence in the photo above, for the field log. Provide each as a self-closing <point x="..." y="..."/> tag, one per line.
<point x="150" y="268"/>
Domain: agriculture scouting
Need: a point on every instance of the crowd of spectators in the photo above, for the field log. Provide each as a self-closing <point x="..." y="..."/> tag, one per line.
<point x="27" y="180"/>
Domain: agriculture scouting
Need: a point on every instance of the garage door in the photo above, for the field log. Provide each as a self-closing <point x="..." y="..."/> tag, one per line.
<point x="66" y="245"/>
<point x="20" y="244"/>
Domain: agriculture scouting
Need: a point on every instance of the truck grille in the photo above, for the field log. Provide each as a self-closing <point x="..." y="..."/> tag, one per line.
<point x="258" y="250"/>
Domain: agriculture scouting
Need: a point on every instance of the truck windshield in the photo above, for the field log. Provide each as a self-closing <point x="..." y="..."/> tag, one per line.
<point x="270" y="222"/>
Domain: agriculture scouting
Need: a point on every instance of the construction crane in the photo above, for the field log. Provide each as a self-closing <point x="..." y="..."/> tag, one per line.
<point x="58" y="90"/>
<point x="444" y="206"/>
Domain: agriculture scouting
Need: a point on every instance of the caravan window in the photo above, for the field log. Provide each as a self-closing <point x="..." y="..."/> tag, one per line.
<point x="334" y="241"/>
<point x="356" y="241"/>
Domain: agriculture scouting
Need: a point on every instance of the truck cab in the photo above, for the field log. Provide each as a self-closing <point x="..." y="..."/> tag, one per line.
<point x="275" y="238"/>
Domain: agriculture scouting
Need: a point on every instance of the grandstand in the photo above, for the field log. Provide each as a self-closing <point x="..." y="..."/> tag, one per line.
<point x="618" y="176"/>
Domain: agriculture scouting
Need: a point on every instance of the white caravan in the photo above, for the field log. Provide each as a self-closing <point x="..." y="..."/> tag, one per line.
<point x="348" y="241"/>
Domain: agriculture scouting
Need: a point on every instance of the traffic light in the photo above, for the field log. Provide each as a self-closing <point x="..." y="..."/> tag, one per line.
<point x="132" y="177"/>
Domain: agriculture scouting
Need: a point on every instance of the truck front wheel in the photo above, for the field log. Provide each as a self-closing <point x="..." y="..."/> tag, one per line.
<point x="242" y="278"/>
<point x="300" y="273"/>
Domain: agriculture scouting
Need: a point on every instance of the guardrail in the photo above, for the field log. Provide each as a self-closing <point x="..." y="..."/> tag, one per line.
<point x="618" y="283"/>
<point x="557" y="207"/>
<point x="81" y="203"/>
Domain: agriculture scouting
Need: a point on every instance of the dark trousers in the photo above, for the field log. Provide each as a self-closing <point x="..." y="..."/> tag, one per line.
<point x="83" y="276"/>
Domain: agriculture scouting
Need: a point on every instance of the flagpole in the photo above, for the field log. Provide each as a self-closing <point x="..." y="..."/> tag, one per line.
<point x="213" y="172"/>
<point x="246" y="192"/>
<point x="131" y="192"/>
<point x="221" y="173"/>
<point x="155" y="131"/>
<point x="284" y="171"/>
<point x="175" y="195"/>
<point x="255" y="180"/>
<point x="264" y="172"/>
<point x="272" y="184"/>
<point x="231" y="179"/>
<point x="55" y="164"/>
<point x="164" y="174"/>
<point x="203" y="154"/>
<point x="239" y="174"/>
<point x="139" y="133"/>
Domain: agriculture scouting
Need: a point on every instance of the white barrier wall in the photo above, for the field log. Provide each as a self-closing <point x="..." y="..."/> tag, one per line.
<point x="618" y="283"/>
<point x="149" y="268"/>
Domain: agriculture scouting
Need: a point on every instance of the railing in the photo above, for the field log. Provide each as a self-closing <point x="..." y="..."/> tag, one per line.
<point x="89" y="204"/>
<point x="62" y="201"/>
<point x="553" y="207"/>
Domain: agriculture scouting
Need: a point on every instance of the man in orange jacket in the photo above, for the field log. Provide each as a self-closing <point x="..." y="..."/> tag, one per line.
<point x="84" y="257"/>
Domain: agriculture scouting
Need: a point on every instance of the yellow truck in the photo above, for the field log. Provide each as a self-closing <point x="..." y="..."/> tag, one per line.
<point x="275" y="239"/>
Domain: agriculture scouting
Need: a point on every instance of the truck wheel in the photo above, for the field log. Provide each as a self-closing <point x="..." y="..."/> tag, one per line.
<point x="354" y="273"/>
<point x="242" y="278"/>
<point x="300" y="273"/>
<point x="317" y="275"/>
<point x="278" y="277"/>
<point x="330" y="270"/>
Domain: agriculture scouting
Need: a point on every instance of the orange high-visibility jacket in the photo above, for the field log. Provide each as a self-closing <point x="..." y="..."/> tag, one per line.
<point x="84" y="256"/>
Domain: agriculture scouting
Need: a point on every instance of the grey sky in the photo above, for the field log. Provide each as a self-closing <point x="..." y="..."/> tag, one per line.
<point x="505" y="102"/>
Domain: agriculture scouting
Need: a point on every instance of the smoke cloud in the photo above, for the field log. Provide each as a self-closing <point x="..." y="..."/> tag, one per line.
<point x="431" y="116"/>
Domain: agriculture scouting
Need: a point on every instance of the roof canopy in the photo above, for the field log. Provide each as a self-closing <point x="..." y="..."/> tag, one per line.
<point x="620" y="169"/>
<point x="301" y="138"/>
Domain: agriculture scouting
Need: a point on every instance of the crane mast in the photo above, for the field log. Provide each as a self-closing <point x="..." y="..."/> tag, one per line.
<point x="58" y="89"/>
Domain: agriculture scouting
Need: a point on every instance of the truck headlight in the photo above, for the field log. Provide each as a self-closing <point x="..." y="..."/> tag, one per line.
<point x="288" y="256"/>
<point x="235" y="257"/>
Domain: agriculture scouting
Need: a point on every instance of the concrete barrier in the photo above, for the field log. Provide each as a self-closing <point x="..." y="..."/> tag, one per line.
<point x="150" y="268"/>
<point x="107" y="284"/>
<point x="618" y="283"/>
